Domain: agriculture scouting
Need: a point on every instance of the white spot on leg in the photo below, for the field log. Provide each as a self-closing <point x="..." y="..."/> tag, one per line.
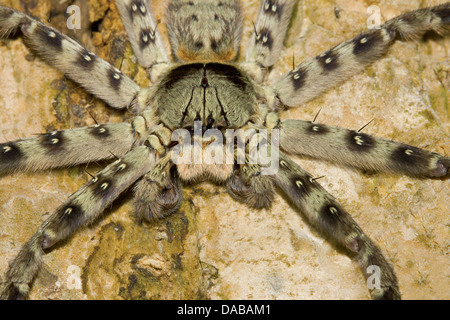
<point x="284" y="164"/>
<point x="104" y="186"/>
<point x="333" y="210"/>
<point x="359" y="141"/>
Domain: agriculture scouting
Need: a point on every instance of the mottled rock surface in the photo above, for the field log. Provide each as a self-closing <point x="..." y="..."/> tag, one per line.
<point x="216" y="248"/>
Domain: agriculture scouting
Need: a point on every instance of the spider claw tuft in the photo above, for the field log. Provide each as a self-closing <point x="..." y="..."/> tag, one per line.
<point x="442" y="169"/>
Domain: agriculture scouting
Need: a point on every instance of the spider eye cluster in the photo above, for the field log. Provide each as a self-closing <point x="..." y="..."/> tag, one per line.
<point x="217" y="94"/>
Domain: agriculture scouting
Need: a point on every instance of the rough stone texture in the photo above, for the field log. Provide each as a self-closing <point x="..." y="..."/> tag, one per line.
<point x="216" y="248"/>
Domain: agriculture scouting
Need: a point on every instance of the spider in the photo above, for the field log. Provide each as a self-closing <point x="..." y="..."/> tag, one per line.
<point x="206" y="87"/>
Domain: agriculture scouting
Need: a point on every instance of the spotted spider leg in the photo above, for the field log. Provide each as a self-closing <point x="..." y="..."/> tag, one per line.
<point x="80" y="209"/>
<point x="65" y="148"/>
<point x="323" y="211"/>
<point x="360" y="150"/>
<point x="84" y="67"/>
<point x="145" y="39"/>
<point x="313" y="77"/>
<point x="267" y="39"/>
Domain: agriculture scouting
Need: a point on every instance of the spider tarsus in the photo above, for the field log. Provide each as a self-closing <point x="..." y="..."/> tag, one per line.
<point x="441" y="171"/>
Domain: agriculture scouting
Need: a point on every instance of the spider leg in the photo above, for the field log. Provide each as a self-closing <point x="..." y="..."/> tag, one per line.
<point x="322" y="210"/>
<point x="67" y="147"/>
<point x="145" y="39"/>
<point x="81" y="208"/>
<point x="313" y="77"/>
<point x="65" y="54"/>
<point x="267" y="39"/>
<point x="360" y="150"/>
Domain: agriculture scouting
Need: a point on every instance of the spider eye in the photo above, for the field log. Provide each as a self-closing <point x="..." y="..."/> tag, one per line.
<point x="204" y="83"/>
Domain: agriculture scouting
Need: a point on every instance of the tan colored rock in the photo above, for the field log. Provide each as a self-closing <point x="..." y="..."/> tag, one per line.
<point x="216" y="248"/>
